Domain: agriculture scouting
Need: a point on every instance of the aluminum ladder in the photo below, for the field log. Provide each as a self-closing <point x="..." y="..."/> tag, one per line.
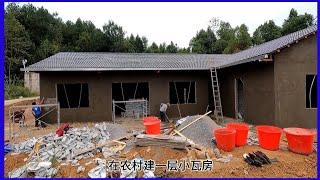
<point x="216" y="95"/>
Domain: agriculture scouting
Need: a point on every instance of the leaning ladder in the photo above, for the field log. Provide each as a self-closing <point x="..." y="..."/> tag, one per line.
<point x="216" y="95"/>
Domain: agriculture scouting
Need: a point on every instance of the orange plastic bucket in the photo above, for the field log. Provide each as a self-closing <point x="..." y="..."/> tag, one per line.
<point x="152" y="127"/>
<point x="300" y="140"/>
<point x="241" y="132"/>
<point x="150" y="118"/>
<point x="226" y="138"/>
<point x="269" y="137"/>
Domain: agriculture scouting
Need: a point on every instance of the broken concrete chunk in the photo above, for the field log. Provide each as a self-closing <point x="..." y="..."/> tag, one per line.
<point x="80" y="169"/>
<point x="225" y="159"/>
<point x="128" y="173"/>
<point x="98" y="172"/>
<point x="148" y="174"/>
<point x="87" y="163"/>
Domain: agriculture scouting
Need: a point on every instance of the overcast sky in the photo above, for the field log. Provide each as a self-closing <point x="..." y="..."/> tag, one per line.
<point x="177" y="22"/>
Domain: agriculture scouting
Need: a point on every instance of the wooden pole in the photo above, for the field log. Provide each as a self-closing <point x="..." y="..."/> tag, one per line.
<point x="175" y="87"/>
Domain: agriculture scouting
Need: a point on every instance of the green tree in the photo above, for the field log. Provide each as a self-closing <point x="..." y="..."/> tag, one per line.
<point x="204" y="42"/>
<point x="184" y="50"/>
<point x="153" y="48"/>
<point x="243" y="39"/>
<point x="17" y="44"/>
<point x="266" y="32"/>
<point x="145" y="43"/>
<point x="114" y="36"/>
<point x="139" y="46"/>
<point x="226" y="38"/>
<point x="162" y="48"/>
<point x="172" y="48"/>
<point x="296" y="22"/>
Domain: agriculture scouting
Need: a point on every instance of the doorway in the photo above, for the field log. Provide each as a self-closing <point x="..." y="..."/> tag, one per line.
<point x="239" y="99"/>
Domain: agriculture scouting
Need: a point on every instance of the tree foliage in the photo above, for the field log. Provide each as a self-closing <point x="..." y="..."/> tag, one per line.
<point x="17" y="45"/>
<point x="266" y="32"/>
<point x="204" y="42"/>
<point x="296" y="22"/>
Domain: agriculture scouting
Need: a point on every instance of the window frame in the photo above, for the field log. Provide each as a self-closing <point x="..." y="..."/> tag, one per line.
<point x="195" y="91"/>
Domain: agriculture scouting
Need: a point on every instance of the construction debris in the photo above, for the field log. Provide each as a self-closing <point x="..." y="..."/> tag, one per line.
<point x="175" y="142"/>
<point x="252" y="137"/>
<point x="49" y="147"/>
<point x="19" y="172"/>
<point x="148" y="174"/>
<point x="98" y="172"/>
<point x="7" y="148"/>
<point x="225" y="159"/>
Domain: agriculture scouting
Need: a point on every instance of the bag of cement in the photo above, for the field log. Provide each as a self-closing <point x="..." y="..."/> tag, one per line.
<point x="98" y="172"/>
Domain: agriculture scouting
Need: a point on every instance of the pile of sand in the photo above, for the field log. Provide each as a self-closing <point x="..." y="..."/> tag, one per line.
<point x="200" y="132"/>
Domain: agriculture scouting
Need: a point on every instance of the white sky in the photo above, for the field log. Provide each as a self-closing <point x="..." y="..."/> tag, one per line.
<point x="177" y="22"/>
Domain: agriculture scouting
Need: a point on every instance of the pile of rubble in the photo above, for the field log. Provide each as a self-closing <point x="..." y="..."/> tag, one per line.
<point x="46" y="149"/>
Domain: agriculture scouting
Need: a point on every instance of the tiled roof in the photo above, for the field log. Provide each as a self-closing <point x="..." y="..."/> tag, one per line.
<point x="93" y="61"/>
<point x="259" y="51"/>
<point x="87" y="61"/>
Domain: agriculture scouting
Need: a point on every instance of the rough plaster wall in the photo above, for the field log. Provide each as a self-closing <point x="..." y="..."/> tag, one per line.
<point x="31" y="81"/>
<point x="258" y="91"/>
<point x="100" y="92"/>
<point x="291" y="66"/>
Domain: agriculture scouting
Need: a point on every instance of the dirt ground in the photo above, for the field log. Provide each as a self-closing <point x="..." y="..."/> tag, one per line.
<point x="289" y="164"/>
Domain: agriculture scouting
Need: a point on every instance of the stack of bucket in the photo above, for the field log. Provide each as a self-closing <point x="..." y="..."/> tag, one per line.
<point x="235" y="134"/>
<point x="152" y="125"/>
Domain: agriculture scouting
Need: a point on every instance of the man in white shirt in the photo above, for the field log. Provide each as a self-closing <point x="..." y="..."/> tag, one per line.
<point x="163" y="110"/>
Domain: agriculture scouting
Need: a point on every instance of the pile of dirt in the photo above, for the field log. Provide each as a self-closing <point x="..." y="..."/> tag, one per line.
<point x="14" y="161"/>
<point x="200" y="132"/>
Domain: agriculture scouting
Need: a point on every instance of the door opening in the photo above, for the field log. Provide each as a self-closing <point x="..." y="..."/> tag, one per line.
<point x="239" y="99"/>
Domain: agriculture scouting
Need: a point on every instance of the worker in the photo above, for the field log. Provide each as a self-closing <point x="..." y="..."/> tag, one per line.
<point x="36" y="111"/>
<point x="163" y="110"/>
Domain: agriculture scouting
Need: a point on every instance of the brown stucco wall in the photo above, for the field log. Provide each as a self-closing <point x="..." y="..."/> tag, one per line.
<point x="258" y="83"/>
<point x="100" y="92"/>
<point x="290" y="69"/>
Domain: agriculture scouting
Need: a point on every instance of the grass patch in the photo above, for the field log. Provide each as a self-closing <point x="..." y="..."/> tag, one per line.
<point x="15" y="89"/>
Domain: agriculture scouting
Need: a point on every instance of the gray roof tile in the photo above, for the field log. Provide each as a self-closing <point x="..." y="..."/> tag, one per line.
<point x="93" y="61"/>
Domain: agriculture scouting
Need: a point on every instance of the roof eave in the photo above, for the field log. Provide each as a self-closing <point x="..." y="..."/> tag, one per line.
<point x="108" y="69"/>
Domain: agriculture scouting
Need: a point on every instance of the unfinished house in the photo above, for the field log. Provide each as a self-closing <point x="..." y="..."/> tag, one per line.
<point x="272" y="83"/>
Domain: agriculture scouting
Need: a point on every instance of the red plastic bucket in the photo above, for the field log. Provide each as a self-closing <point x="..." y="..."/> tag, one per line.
<point x="241" y="132"/>
<point x="152" y="127"/>
<point x="300" y="140"/>
<point x="269" y="137"/>
<point x="226" y="138"/>
<point x="150" y="118"/>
